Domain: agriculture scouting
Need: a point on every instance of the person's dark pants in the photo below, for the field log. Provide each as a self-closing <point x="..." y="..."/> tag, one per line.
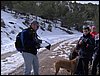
<point x="82" y="66"/>
<point x="95" y="64"/>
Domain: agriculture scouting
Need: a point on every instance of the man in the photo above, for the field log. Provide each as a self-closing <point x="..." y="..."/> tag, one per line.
<point x="93" y="31"/>
<point x="85" y="46"/>
<point x="31" y="44"/>
<point x="96" y="57"/>
<point x="94" y="34"/>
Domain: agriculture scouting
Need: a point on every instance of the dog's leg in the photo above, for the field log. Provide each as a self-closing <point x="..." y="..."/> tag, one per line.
<point x="72" y="68"/>
<point x="71" y="72"/>
<point x="57" y="70"/>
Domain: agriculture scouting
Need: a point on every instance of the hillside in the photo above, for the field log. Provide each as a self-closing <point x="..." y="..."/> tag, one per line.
<point x="14" y="25"/>
<point x="68" y="12"/>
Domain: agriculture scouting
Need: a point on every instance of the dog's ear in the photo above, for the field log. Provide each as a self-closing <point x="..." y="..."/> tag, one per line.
<point x="75" y="50"/>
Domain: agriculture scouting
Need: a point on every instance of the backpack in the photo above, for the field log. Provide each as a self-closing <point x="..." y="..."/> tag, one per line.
<point x="19" y="45"/>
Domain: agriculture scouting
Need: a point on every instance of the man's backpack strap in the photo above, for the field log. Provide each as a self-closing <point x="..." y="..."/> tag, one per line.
<point x="22" y="38"/>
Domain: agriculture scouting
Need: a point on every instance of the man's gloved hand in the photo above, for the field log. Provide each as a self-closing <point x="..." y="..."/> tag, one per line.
<point x="38" y="44"/>
<point x="84" y="42"/>
<point x="48" y="47"/>
<point x="40" y="41"/>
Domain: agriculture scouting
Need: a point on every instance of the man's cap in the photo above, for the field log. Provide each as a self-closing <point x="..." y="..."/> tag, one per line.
<point x="35" y="23"/>
<point x="86" y="27"/>
<point x="93" y="27"/>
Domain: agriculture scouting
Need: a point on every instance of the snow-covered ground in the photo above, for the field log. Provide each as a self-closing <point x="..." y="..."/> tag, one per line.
<point x="8" y="36"/>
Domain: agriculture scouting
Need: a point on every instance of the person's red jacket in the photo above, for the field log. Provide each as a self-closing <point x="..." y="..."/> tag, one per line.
<point x="93" y="34"/>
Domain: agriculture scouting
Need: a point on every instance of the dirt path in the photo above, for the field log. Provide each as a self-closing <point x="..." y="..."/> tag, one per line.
<point x="5" y="55"/>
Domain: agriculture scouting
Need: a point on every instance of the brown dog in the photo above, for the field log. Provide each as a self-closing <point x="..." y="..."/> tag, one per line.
<point x="69" y="65"/>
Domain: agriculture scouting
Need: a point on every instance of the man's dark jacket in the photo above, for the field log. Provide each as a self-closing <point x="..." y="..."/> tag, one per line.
<point x="30" y="41"/>
<point x="87" y="47"/>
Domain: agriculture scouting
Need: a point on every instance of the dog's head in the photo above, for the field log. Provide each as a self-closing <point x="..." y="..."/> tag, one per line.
<point x="73" y="54"/>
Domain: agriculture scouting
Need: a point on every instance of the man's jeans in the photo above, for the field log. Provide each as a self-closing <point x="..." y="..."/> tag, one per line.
<point x="82" y="67"/>
<point x="30" y="61"/>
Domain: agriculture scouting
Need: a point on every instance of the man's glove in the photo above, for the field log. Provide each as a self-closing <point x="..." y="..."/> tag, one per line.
<point x="84" y="42"/>
<point x="38" y="44"/>
<point x="48" y="47"/>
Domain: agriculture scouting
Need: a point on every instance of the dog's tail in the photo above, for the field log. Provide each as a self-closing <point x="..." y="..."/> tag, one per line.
<point x="54" y="66"/>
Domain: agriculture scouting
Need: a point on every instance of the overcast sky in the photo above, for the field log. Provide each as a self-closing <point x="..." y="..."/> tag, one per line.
<point x="94" y="2"/>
